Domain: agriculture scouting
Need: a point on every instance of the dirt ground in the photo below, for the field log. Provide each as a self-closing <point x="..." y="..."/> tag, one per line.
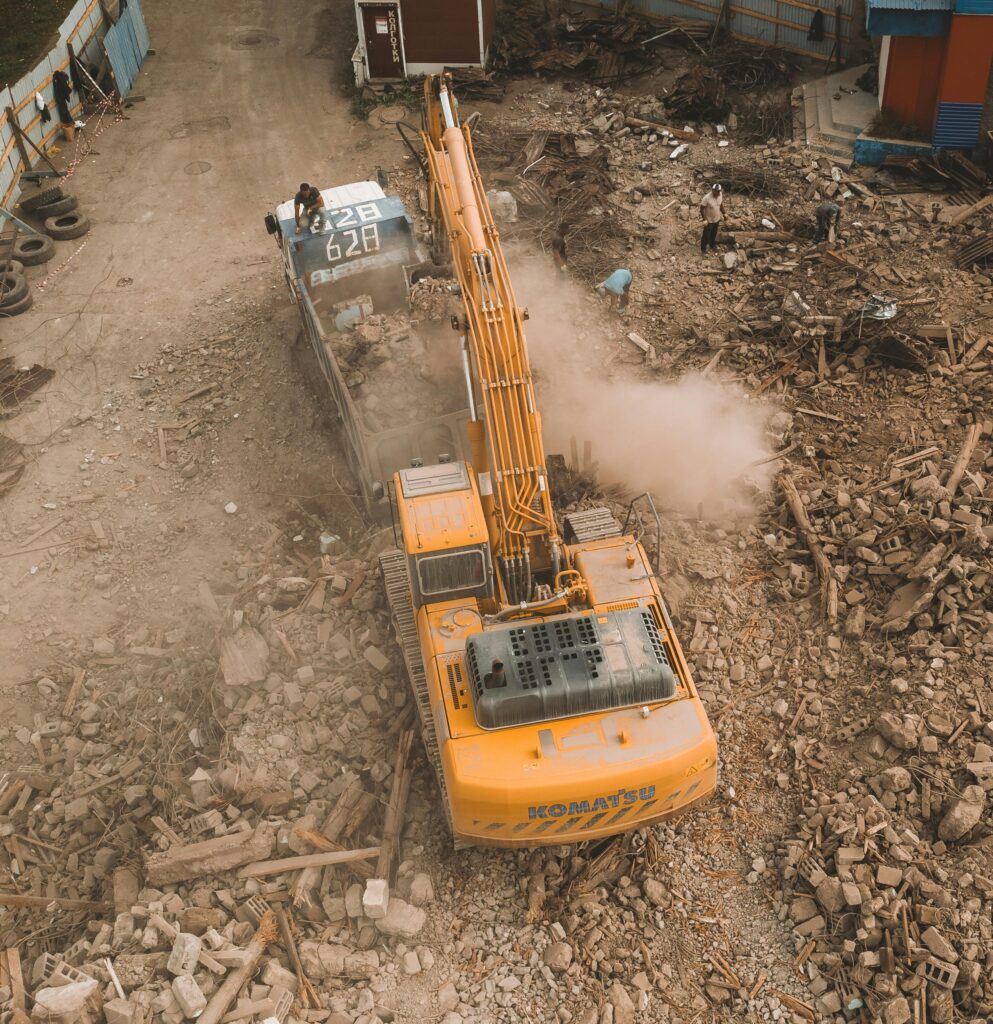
<point x="171" y="334"/>
<point x="177" y="286"/>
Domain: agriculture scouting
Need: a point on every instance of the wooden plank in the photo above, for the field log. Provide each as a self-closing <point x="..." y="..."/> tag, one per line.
<point x="395" y="809"/>
<point x="73" y="695"/>
<point x="261" y="868"/>
<point x="15" y="978"/>
<point x="976" y="349"/>
<point x="9" y="899"/>
<point x="971" y="211"/>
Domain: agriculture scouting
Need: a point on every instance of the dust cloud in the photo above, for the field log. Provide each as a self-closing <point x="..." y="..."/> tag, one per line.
<point x="691" y="441"/>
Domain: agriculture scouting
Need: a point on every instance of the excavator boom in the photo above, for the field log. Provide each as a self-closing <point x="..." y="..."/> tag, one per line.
<point x="508" y="454"/>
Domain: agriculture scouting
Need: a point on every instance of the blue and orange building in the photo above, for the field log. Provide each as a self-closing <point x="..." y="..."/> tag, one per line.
<point x="934" y="65"/>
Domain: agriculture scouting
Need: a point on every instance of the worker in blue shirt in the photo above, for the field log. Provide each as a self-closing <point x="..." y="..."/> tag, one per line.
<point x="617" y="287"/>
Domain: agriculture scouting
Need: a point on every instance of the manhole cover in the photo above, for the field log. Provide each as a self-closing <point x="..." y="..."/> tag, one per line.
<point x="392" y="114"/>
<point x="251" y="37"/>
<point x="197" y="167"/>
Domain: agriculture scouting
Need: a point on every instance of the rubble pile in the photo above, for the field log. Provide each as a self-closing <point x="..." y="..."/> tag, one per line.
<point x="398" y="367"/>
<point x="177" y="833"/>
<point x="887" y="915"/>
<point x="589" y="44"/>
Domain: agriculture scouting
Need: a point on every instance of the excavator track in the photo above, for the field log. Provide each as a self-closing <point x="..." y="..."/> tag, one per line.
<point x="590" y="524"/>
<point x="393" y="566"/>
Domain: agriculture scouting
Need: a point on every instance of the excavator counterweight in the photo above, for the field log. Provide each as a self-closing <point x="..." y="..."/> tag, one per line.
<point x="555" y="701"/>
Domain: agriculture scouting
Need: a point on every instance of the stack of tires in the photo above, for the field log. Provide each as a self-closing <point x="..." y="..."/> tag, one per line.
<point x="58" y="213"/>
<point x="59" y="218"/>
<point x="15" y="295"/>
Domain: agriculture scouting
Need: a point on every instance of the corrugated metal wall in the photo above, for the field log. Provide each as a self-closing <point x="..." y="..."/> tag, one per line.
<point x="127" y="46"/>
<point x="781" y="23"/>
<point x="84" y="28"/>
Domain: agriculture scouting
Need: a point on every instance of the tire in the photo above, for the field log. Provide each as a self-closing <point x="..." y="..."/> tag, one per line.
<point x="19" y="307"/>
<point x="13" y="288"/>
<point x="56" y="209"/>
<point x="33" y="250"/>
<point x="49" y="195"/>
<point x="11" y="267"/>
<point x="69" y="225"/>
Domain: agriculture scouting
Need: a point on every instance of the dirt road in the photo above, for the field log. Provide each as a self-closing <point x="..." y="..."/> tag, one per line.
<point x="177" y="287"/>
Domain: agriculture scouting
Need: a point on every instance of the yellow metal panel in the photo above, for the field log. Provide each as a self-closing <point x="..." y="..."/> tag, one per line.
<point x="441" y="522"/>
<point x="615" y="570"/>
<point x="580" y="777"/>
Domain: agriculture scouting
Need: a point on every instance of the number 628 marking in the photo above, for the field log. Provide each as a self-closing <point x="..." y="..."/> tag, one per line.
<point x="356" y="241"/>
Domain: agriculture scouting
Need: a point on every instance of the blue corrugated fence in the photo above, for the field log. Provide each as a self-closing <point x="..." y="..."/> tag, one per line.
<point x="127" y="46"/>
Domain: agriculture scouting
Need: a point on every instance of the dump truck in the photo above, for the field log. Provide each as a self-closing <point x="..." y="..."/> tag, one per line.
<point x="394" y="385"/>
<point x="555" y="703"/>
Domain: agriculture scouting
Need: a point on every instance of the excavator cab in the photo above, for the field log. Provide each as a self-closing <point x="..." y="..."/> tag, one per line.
<point x="447" y="544"/>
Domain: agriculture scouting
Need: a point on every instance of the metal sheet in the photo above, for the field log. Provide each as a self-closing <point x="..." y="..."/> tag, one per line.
<point x="127" y="46"/>
<point x="913" y="5"/>
<point x="957" y="126"/>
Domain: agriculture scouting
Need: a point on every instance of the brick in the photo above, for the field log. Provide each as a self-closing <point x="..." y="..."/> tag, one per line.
<point x="376" y="899"/>
<point x="187" y="992"/>
<point x="888" y="877"/>
<point x="275" y="974"/>
<point x="940" y="973"/>
<point x="118" y="1011"/>
<point x="377" y="659"/>
<point x="185" y="954"/>
<point x="812" y="926"/>
<point x="939" y="945"/>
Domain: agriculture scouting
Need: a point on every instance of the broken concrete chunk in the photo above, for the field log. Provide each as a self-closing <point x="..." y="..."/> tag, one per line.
<point x="403" y="919"/>
<point x="900" y="733"/>
<point x="557" y="956"/>
<point x="421" y="889"/>
<point x="244" y="657"/>
<point x="210" y="857"/>
<point x="275" y="974"/>
<point x="963" y="814"/>
<point x="78" y="1001"/>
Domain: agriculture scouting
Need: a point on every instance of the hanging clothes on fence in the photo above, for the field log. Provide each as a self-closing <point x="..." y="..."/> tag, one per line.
<point x="39" y="102"/>
<point x="816" y="33"/>
<point x="62" y="88"/>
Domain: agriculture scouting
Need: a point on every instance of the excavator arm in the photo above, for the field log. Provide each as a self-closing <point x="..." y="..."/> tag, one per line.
<point x="505" y="429"/>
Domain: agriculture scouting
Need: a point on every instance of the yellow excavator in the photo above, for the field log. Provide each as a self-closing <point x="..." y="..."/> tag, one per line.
<point x="555" y="703"/>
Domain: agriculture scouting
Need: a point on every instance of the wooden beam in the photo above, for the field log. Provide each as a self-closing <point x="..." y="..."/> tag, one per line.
<point x="9" y="899"/>
<point x="261" y="868"/>
<point x="829" y="585"/>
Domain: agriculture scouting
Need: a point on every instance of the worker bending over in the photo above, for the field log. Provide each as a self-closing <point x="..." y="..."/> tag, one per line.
<point x="616" y="288"/>
<point x="308" y="202"/>
<point x="828" y="217"/>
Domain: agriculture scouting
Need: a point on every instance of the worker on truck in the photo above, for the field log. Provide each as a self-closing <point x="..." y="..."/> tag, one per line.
<point x="308" y="202"/>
